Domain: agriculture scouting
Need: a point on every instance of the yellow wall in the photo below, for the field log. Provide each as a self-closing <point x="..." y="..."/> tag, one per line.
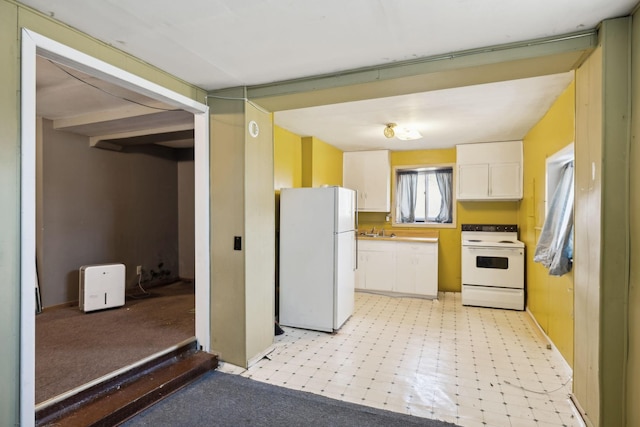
<point x="449" y="255"/>
<point x="321" y="163"/>
<point x="287" y="152"/>
<point x="303" y="162"/>
<point x="287" y="165"/>
<point x="549" y="298"/>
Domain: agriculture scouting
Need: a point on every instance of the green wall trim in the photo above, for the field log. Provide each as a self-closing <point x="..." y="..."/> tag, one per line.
<point x="633" y="355"/>
<point x="616" y="41"/>
<point x="476" y="66"/>
<point x="10" y="216"/>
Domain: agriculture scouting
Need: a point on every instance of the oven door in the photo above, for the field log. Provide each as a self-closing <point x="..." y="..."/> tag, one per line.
<point x="493" y="266"/>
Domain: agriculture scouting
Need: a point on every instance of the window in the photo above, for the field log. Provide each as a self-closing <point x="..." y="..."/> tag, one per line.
<point x="554" y="249"/>
<point x="424" y="196"/>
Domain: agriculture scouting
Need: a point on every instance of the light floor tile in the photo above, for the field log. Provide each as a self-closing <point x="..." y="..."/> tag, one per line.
<point x="428" y="358"/>
<point x="421" y="411"/>
<point x="333" y="390"/>
<point x="494" y="419"/>
<point x="376" y="396"/>
<point x="520" y="422"/>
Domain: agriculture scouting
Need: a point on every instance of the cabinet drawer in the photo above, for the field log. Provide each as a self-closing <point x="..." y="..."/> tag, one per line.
<point x="374" y="245"/>
<point x="426" y="248"/>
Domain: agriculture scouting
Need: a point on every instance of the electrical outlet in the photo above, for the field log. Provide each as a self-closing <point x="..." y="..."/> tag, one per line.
<point x="139" y="270"/>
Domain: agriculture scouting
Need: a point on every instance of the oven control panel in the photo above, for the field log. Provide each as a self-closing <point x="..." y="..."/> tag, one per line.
<point x="493" y="228"/>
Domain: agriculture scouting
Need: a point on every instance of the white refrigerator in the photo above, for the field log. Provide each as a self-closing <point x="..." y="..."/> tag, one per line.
<point x="317" y="257"/>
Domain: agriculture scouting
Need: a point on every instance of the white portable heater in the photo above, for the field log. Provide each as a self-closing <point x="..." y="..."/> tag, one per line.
<point x="101" y="286"/>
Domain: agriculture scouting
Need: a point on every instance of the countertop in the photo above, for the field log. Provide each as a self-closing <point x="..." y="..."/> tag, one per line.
<point x="402" y="236"/>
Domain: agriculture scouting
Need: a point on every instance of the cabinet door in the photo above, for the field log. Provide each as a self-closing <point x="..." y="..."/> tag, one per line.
<point x="353" y="175"/>
<point x="427" y="271"/>
<point x="369" y="173"/>
<point x="505" y="181"/>
<point x="490" y="171"/>
<point x="406" y="263"/>
<point x="473" y="181"/>
<point x="380" y="270"/>
<point x="417" y="269"/>
<point x="378" y="181"/>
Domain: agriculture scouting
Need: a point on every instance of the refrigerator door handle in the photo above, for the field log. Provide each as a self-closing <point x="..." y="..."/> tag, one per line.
<point x="356" y="252"/>
<point x="355" y="227"/>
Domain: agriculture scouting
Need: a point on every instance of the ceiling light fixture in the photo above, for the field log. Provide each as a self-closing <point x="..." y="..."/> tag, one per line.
<point x="388" y="130"/>
<point x="407" y="134"/>
<point x="403" y="133"/>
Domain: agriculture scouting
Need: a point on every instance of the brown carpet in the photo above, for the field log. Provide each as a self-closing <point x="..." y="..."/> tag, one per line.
<point x="73" y="348"/>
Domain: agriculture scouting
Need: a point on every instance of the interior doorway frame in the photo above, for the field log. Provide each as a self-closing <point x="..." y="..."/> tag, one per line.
<point x="34" y="44"/>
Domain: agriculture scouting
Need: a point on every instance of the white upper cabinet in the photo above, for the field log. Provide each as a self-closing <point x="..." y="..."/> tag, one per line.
<point x="369" y="173"/>
<point x="490" y="171"/>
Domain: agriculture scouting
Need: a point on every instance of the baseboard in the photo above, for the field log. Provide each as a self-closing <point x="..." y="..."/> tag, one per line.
<point x="63" y="305"/>
<point x="539" y="329"/>
<point x="395" y="294"/>
<point x="543" y="335"/>
<point x="581" y="415"/>
<point x="255" y="359"/>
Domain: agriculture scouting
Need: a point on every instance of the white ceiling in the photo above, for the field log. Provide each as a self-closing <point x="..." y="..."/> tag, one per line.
<point x="224" y="43"/>
<point x="64" y="92"/>
<point x="503" y="111"/>
<point x="111" y="116"/>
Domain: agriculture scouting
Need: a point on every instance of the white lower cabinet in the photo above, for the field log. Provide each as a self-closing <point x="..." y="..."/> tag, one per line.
<point x="374" y="260"/>
<point x="378" y="276"/>
<point x="417" y="268"/>
<point x="398" y="267"/>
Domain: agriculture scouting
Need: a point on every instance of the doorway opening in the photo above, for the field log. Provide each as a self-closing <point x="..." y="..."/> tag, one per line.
<point x="36" y="46"/>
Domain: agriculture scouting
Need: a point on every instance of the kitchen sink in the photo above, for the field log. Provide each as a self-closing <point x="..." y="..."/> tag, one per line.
<point x="378" y="235"/>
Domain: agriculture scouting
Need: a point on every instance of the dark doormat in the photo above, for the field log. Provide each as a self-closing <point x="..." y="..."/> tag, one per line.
<point x="219" y="399"/>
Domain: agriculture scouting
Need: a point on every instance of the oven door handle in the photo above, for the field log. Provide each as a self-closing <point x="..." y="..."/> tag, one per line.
<point x="490" y="248"/>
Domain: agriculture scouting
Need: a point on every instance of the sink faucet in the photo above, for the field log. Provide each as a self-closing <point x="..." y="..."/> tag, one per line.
<point x="373" y="230"/>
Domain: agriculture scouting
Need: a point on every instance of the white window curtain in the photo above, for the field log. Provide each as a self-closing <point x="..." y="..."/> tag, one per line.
<point x="444" y="179"/>
<point x="555" y="246"/>
<point x="406" y="195"/>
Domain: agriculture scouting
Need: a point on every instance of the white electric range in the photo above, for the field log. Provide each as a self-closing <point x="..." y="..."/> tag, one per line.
<point x="492" y="266"/>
